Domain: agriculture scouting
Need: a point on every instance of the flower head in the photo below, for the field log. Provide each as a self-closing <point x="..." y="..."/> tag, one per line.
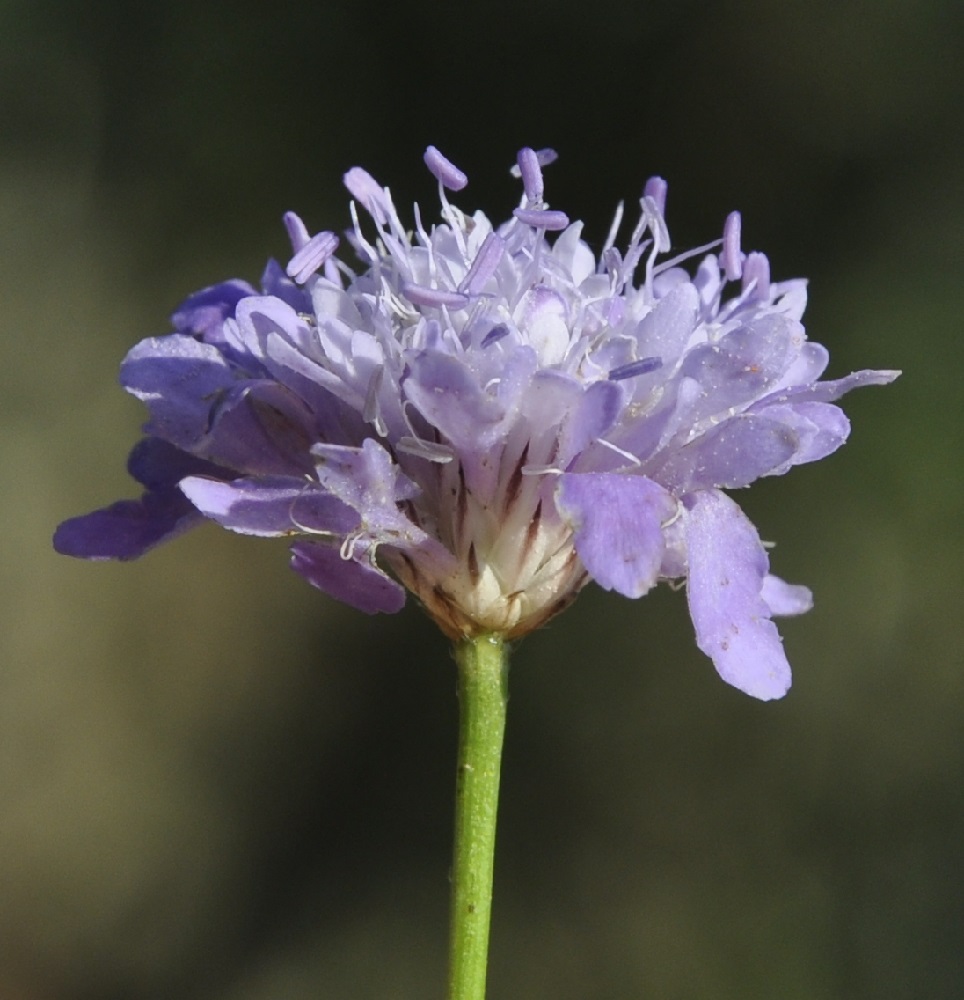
<point x="490" y="416"/>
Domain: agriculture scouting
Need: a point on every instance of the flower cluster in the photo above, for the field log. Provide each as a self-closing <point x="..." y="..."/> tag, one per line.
<point x="490" y="416"/>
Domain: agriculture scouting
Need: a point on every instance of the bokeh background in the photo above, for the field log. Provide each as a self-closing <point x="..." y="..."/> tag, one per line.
<point x="216" y="783"/>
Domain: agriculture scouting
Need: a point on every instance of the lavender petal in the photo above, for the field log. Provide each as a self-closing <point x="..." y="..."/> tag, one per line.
<point x="724" y="587"/>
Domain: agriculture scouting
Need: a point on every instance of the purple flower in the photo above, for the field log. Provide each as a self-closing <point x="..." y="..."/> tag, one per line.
<point x="491" y="417"/>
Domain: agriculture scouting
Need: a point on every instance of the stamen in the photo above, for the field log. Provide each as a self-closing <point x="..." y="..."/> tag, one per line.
<point x="542" y="470"/>
<point x="613" y="230"/>
<point x="444" y="171"/>
<point x="756" y="276"/>
<point x="297" y="231"/>
<point x="731" y="258"/>
<point x="440" y="453"/>
<point x="633" y="368"/>
<point x="484" y="266"/>
<point x="370" y="412"/>
<point x="419" y="295"/>
<point x="657" y="224"/>
<point x="362" y="246"/>
<point x="542" y="218"/>
<point x="531" y="174"/>
<point x="656" y="189"/>
<point x="629" y="456"/>
<point x="366" y="190"/>
<point x="312" y="256"/>
<point x="665" y="265"/>
<point x="543" y="156"/>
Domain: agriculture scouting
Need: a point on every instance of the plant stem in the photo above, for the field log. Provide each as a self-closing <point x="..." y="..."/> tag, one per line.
<point x="483" y="668"/>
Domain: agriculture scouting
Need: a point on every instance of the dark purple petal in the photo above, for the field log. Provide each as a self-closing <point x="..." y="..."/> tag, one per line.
<point x="128" y="528"/>
<point x="727" y="569"/>
<point x="354" y="581"/>
<point x="205" y="311"/>
<point x="276" y="283"/>
<point x="270" y="506"/>
<point x="261" y="428"/>
<point x="179" y="379"/>
<point x="159" y="465"/>
<point x="618" y="524"/>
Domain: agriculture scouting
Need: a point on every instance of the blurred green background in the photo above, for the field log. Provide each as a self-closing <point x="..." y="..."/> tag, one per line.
<point x="215" y="783"/>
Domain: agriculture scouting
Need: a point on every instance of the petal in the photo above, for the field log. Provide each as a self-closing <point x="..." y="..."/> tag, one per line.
<point x="731" y="455"/>
<point x="128" y="528"/>
<point x="159" y="465"/>
<point x="205" y="311"/>
<point x="727" y="569"/>
<point x="447" y="393"/>
<point x="821" y="428"/>
<point x="745" y="364"/>
<point x="179" y="379"/>
<point x="261" y="428"/>
<point x="827" y="392"/>
<point x="270" y="506"/>
<point x="618" y="524"/>
<point x="784" y="598"/>
<point x="354" y="580"/>
<point x="368" y="481"/>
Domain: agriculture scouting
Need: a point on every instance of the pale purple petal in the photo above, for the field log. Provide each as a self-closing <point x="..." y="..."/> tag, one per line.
<point x="820" y="428"/>
<point x="731" y="455"/>
<point x="784" y="598"/>
<point x="827" y="392"/>
<point x="354" y="581"/>
<point x="368" y="481"/>
<point x="618" y="524"/>
<point x="449" y="397"/>
<point x="727" y="569"/>
<point x="743" y="365"/>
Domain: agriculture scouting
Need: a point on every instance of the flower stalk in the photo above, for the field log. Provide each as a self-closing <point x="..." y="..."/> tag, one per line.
<point x="483" y="673"/>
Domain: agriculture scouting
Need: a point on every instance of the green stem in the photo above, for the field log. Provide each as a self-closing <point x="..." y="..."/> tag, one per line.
<point x="483" y="667"/>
